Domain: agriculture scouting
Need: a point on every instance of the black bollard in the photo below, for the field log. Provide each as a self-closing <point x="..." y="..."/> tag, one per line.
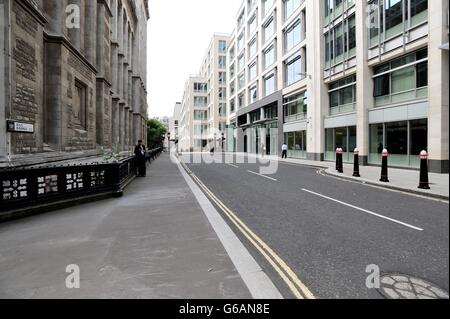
<point x="384" y="167"/>
<point x="341" y="161"/>
<point x="356" y="164"/>
<point x="337" y="159"/>
<point x="424" y="180"/>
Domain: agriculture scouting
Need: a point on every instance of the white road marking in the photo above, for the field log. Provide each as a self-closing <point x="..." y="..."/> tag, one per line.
<point x="272" y="179"/>
<point x="364" y="210"/>
<point x="232" y="165"/>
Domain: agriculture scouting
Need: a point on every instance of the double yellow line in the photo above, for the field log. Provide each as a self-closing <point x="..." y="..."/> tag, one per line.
<point x="299" y="290"/>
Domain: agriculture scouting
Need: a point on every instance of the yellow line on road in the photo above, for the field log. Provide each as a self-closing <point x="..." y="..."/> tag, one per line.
<point x="284" y="271"/>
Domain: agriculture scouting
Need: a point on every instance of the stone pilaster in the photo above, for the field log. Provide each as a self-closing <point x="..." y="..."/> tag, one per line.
<point x="122" y="124"/>
<point x="90" y="38"/>
<point x="438" y="84"/>
<point x="317" y="91"/>
<point x="364" y="87"/>
<point x="75" y="33"/>
<point x="115" y="125"/>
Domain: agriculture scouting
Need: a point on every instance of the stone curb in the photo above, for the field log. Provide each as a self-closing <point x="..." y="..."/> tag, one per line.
<point x="326" y="171"/>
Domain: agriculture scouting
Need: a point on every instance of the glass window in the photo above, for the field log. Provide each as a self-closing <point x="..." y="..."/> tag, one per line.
<point x="222" y="62"/>
<point x="394" y="16"/>
<point x="269" y="29"/>
<point x="200" y="87"/>
<point x="241" y="62"/>
<point x="253" y="47"/>
<point x="290" y="6"/>
<point x="240" y="43"/>
<point x="269" y="56"/>
<point x="342" y="95"/>
<point x="293" y="35"/>
<point x="397" y="137"/>
<point x="253" y="94"/>
<point x="402" y="79"/>
<point x="241" y="81"/>
<point x="232" y="106"/>
<point x="267" y="4"/>
<point x="200" y="101"/>
<point x="252" y="25"/>
<point x="200" y="115"/>
<point x="222" y="46"/>
<point x="269" y="85"/>
<point x="222" y="93"/>
<point x="293" y="70"/>
<point x="222" y="78"/>
<point x="241" y="100"/>
<point x="252" y="71"/>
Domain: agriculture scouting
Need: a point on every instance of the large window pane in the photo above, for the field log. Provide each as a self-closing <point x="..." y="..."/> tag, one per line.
<point x="376" y="143"/>
<point x="422" y="74"/>
<point x="397" y="142"/>
<point x="394" y="17"/>
<point x="382" y="85"/>
<point x="403" y="80"/>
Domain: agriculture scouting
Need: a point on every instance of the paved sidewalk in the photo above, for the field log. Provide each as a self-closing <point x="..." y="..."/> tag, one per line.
<point x="399" y="179"/>
<point x="155" y="242"/>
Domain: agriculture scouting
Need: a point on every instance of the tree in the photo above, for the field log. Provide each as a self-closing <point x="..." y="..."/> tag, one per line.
<point x="156" y="132"/>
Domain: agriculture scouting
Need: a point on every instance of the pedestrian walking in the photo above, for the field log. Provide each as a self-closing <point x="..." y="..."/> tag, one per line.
<point x="284" y="150"/>
<point x="139" y="152"/>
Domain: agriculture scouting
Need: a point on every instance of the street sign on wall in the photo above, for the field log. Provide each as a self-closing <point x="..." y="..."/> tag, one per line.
<point x="19" y="127"/>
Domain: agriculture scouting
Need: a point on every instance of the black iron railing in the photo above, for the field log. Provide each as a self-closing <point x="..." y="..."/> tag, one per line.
<point x="23" y="188"/>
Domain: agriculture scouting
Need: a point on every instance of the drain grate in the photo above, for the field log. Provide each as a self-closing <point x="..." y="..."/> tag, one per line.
<point x="398" y="286"/>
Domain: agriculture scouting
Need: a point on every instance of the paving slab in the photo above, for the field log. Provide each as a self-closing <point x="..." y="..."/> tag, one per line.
<point x="155" y="242"/>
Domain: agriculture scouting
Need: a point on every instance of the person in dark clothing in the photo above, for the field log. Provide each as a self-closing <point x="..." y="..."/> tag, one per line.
<point x="140" y="151"/>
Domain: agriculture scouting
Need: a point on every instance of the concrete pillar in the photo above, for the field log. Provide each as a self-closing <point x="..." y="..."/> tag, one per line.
<point x="90" y="38"/>
<point x="438" y="83"/>
<point x="115" y="127"/>
<point x="364" y="87"/>
<point x="317" y="91"/>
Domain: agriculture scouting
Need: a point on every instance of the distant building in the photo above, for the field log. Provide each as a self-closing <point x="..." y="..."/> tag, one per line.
<point x="75" y="72"/>
<point x="203" y="116"/>
<point x="174" y="123"/>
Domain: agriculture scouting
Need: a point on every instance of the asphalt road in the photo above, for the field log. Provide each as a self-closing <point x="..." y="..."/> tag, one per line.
<point x="329" y="230"/>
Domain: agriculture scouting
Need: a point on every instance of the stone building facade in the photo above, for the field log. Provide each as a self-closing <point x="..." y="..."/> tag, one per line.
<point x="76" y="71"/>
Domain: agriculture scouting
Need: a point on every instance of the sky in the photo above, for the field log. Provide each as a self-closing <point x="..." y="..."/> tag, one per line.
<point x="179" y="32"/>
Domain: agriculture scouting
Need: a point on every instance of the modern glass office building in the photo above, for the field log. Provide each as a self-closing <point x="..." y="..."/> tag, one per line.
<point x="341" y="74"/>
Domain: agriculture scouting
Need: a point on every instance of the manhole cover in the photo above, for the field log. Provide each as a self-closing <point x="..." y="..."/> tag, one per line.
<point x="397" y="286"/>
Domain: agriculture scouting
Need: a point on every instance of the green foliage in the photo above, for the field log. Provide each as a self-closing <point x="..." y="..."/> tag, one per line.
<point x="156" y="132"/>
